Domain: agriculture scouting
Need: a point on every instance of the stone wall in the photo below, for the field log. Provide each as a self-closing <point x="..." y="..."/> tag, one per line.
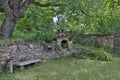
<point x="27" y="50"/>
<point x="111" y="41"/>
<point x="107" y="41"/>
<point x="116" y="43"/>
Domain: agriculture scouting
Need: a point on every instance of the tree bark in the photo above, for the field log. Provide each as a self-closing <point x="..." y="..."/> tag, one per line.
<point x="14" y="10"/>
<point x="7" y="27"/>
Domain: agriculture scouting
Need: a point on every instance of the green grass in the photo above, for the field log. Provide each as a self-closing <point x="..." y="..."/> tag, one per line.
<point x="18" y="35"/>
<point x="68" y="69"/>
<point x="21" y="35"/>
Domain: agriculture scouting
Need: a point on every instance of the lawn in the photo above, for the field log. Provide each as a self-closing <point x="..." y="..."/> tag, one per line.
<point x="19" y="36"/>
<point x="68" y="68"/>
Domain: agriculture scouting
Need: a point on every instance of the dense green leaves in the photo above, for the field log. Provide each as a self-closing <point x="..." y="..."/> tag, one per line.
<point x="83" y="16"/>
<point x="95" y="16"/>
<point x="36" y="18"/>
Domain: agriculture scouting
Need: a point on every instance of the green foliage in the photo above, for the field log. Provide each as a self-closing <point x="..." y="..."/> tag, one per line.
<point x="88" y="40"/>
<point x="44" y="36"/>
<point x="35" y="18"/>
<point x="83" y="17"/>
<point x="1" y="18"/>
<point x="37" y="21"/>
<point x="94" y="16"/>
<point x="18" y="35"/>
<point x="101" y="54"/>
<point x="0" y="37"/>
<point x="93" y="53"/>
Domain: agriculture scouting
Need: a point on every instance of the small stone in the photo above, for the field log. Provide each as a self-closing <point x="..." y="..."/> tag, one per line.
<point x="31" y="46"/>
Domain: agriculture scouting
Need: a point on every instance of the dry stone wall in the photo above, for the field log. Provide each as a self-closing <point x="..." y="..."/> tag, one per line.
<point x="117" y="43"/>
<point x="107" y="41"/>
<point x="111" y="41"/>
<point x="27" y="50"/>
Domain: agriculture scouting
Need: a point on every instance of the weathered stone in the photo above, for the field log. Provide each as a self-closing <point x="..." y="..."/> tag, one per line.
<point x="31" y="46"/>
<point x="26" y="50"/>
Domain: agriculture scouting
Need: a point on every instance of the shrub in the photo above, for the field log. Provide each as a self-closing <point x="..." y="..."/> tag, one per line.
<point x="44" y="36"/>
<point x="94" y="53"/>
<point x="82" y="51"/>
<point x="101" y="54"/>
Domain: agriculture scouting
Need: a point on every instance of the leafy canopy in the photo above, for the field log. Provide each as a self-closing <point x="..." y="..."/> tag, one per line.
<point x="83" y="16"/>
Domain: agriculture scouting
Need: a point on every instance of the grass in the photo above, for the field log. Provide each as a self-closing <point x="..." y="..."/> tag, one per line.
<point x="18" y="35"/>
<point x="68" y="69"/>
<point x="21" y="35"/>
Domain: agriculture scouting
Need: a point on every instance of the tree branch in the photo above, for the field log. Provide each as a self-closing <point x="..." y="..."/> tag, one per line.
<point x="20" y="2"/>
<point x="6" y="6"/>
<point x="39" y="4"/>
<point x="43" y="5"/>
<point x="85" y="13"/>
<point x="25" y="5"/>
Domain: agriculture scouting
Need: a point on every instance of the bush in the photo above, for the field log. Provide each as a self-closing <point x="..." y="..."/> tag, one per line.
<point x="94" y="53"/>
<point x="101" y="54"/>
<point x="82" y="51"/>
<point x="44" y="36"/>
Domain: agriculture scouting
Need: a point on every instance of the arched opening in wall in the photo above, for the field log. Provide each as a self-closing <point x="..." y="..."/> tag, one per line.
<point x="64" y="44"/>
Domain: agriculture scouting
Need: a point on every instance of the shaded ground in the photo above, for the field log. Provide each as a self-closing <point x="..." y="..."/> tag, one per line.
<point x="68" y="69"/>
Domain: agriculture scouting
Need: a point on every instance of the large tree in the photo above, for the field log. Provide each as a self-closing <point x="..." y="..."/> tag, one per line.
<point x="14" y="10"/>
<point x="85" y="16"/>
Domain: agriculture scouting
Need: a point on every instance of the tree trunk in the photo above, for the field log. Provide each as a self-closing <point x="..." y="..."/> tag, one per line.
<point x="14" y="10"/>
<point x="8" y="27"/>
